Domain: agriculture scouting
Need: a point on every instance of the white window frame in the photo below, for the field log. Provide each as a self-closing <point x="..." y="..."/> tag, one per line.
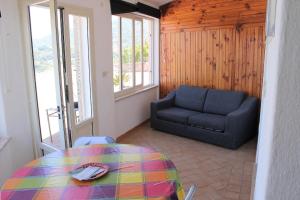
<point x="136" y="88"/>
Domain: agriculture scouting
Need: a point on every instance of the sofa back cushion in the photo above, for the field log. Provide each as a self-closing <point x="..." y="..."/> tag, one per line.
<point x="223" y="102"/>
<point x="191" y="98"/>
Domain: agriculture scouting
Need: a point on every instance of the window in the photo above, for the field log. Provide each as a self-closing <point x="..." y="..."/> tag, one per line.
<point x="132" y="53"/>
<point x="80" y="64"/>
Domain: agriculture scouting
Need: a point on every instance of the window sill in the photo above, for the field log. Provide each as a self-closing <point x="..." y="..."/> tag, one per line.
<point x="3" y="142"/>
<point x="135" y="93"/>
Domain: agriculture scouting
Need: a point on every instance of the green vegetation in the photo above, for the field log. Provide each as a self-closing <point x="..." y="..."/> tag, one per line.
<point x="127" y="54"/>
<point x="43" y="54"/>
<point x="127" y="59"/>
<point x="117" y="79"/>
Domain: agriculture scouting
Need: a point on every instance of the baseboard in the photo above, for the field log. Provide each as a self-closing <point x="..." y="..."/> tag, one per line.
<point x="128" y="132"/>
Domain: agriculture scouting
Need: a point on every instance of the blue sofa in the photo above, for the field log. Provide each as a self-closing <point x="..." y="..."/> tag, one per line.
<point x="224" y="118"/>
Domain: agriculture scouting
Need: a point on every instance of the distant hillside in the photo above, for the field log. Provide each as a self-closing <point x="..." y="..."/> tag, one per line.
<point x="43" y="53"/>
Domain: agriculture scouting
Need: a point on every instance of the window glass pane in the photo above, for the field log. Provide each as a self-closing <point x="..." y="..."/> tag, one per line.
<point x="45" y="71"/>
<point x="116" y="53"/>
<point x="127" y="53"/>
<point x="138" y="53"/>
<point x="147" y="53"/>
<point x="80" y="63"/>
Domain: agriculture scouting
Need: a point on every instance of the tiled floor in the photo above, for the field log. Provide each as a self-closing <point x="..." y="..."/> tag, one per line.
<point x="219" y="174"/>
<point x="56" y="141"/>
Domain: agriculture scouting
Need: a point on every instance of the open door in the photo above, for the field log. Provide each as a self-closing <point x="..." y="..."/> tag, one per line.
<point x="46" y="63"/>
<point x="60" y="75"/>
<point x="78" y="31"/>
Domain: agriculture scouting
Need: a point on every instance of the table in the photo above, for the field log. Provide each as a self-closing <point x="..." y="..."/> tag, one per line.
<point x="135" y="173"/>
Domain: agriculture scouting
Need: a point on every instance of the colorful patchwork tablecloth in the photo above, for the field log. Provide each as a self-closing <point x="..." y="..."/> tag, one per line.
<point x="135" y="173"/>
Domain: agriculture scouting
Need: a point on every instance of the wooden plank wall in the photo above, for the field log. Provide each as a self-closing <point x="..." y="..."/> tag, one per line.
<point x="213" y="43"/>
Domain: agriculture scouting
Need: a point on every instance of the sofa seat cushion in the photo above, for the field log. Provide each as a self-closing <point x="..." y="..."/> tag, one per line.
<point x="191" y="98"/>
<point x="176" y="114"/>
<point x="223" y="102"/>
<point x="208" y="121"/>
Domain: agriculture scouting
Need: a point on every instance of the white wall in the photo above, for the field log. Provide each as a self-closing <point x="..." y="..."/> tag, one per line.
<point x="2" y="116"/>
<point x="133" y="111"/>
<point x="2" y="71"/>
<point x="278" y="156"/>
<point x="15" y="99"/>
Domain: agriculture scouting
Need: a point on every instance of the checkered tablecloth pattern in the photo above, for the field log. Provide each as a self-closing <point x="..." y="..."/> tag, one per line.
<point x="136" y="173"/>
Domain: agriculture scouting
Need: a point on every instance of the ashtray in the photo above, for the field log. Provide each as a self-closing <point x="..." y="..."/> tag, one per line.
<point x="89" y="171"/>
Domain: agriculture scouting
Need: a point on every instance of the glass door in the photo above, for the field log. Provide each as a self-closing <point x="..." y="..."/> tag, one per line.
<point x="79" y="62"/>
<point x="46" y="59"/>
<point x="61" y="80"/>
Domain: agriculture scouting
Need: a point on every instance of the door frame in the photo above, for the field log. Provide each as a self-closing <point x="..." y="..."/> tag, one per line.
<point x="30" y="75"/>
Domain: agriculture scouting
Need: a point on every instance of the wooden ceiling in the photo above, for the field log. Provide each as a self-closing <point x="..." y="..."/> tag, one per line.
<point x="183" y="14"/>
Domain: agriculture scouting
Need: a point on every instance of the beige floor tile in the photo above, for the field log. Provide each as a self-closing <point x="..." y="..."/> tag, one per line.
<point x="218" y="173"/>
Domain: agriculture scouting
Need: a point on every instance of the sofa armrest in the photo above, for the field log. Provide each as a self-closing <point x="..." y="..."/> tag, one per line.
<point x="164" y="103"/>
<point x="161" y="104"/>
<point x="242" y="123"/>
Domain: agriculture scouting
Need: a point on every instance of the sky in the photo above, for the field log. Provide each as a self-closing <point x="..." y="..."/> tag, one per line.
<point x="40" y="22"/>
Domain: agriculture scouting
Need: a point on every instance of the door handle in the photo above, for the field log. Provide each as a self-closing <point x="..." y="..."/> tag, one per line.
<point x="58" y="112"/>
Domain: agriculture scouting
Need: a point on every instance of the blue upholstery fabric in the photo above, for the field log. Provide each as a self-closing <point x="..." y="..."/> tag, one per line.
<point x="164" y="103"/>
<point x="223" y="102"/>
<point x="191" y="98"/>
<point x="175" y="114"/>
<point x="208" y="121"/>
<point x="84" y="141"/>
<point x="229" y="118"/>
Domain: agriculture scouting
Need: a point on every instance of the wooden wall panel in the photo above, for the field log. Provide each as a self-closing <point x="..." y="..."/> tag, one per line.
<point x="213" y="43"/>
